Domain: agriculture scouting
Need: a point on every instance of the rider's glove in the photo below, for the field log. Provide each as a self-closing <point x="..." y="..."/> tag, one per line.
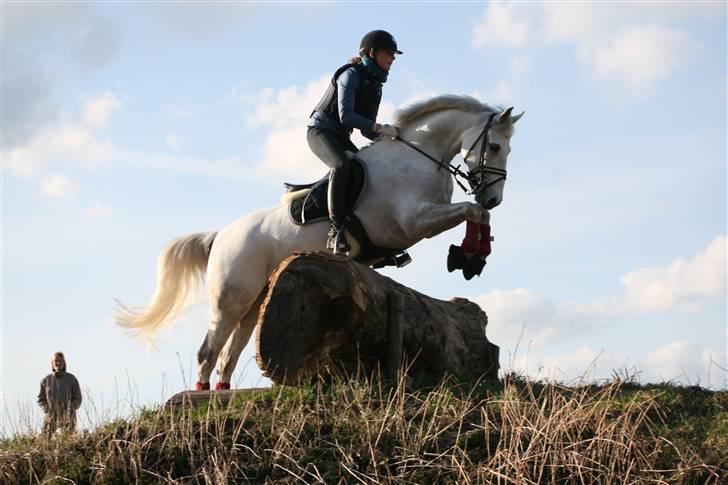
<point x="386" y="130"/>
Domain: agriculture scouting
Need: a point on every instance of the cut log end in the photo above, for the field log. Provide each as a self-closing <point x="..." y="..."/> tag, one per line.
<point x="311" y="308"/>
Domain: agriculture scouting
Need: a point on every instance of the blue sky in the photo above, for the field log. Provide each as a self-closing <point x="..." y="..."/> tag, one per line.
<point x="125" y="125"/>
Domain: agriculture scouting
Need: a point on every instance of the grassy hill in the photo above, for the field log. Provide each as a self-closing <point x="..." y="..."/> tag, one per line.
<point x="514" y="431"/>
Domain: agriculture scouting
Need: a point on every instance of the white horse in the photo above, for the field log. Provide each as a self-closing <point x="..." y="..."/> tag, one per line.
<point x="407" y="198"/>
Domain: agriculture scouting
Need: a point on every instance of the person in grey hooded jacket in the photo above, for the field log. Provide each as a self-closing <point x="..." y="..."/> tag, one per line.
<point x="59" y="397"/>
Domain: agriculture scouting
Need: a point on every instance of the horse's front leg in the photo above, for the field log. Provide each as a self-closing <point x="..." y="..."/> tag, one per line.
<point x="433" y="219"/>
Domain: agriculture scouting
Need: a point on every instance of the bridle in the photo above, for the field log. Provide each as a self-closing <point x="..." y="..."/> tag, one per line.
<point x="476" y="177"/>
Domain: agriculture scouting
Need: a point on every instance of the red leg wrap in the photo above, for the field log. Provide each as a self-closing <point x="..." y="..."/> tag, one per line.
<point x="484" y="249"/>
<point x="222" y="386"/>
<point x="471" y="243"/>
<point x="202" y="386"/>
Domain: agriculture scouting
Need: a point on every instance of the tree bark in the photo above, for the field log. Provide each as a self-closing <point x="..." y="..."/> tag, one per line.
<point x="325" y="313"/>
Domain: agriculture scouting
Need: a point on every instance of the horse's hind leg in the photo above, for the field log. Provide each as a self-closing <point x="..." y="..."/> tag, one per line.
<point x="235" y="344"/>
<point x="227" y="312"/>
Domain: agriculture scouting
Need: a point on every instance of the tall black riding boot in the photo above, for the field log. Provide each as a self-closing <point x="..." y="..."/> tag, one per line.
<point x="337" y="204"/>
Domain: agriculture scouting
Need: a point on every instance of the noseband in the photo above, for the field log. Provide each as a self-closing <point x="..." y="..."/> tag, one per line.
<point x="476" y="177"/>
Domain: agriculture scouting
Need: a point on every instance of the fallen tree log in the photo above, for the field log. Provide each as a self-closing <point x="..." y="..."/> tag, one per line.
<point x="328" y="314"/>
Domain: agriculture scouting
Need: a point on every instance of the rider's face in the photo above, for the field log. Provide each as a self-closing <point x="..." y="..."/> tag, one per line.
<point x="384" y="58"/>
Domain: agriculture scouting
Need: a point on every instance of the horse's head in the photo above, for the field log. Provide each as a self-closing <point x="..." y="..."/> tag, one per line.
<point x="485" y="148"/>
<point x="441" y="127"/>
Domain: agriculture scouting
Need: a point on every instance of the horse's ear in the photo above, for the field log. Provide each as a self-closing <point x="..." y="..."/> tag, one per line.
<point x="504" y="115"/>
<point x="517" y="117"/>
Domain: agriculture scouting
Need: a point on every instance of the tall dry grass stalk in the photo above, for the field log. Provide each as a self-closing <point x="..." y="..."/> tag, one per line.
<point x="370" y="432"/>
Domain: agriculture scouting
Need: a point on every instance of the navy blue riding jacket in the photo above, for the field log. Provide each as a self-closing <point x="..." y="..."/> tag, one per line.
<point x="350" y="101"/>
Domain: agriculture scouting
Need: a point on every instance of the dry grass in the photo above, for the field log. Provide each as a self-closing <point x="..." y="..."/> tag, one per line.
<point x="351" y="432"/>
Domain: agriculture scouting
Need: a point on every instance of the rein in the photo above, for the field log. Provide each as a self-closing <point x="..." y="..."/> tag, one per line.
<point x="454" y="170"/>
<point x="473" y="178"/>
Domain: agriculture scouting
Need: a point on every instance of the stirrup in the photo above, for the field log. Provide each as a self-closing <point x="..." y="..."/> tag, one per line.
<point x="402" y="260"/>
<point x="397" y="260"/>
<point x="336" y="241"/>
<point x="340" y="245"/>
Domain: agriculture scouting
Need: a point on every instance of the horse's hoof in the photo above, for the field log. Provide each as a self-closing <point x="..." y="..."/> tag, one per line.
<point x="222" y="386"/>
<point x="202" y="386"/>
<point x="473" y="266"/>
<point x="455" y="258"/>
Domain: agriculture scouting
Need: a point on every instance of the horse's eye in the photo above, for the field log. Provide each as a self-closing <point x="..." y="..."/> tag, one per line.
<point x="494" y="147"/>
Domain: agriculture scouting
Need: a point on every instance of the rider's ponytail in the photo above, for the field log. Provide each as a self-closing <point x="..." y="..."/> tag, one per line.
<point x="358" y="58"/>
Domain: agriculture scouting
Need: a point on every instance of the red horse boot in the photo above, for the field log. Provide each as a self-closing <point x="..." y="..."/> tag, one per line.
<point x="202" y="386"/>
<point x="476" y="262"/>
<point x="222" y="386"/>
<point x="485" y="239"/>
<point x="471" y="243"/>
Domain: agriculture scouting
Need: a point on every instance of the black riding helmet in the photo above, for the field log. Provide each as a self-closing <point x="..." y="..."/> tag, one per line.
<point x="378" y="39"/>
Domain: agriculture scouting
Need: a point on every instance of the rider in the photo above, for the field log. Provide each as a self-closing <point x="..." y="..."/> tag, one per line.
<point x="350" y="101"/>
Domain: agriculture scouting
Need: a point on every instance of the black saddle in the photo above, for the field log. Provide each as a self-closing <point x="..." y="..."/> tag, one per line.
<point x="314" y="207"/>
<point x="295" y="187"/>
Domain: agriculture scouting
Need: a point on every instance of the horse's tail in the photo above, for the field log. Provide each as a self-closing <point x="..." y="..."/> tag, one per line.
<point x="180" y="268"/>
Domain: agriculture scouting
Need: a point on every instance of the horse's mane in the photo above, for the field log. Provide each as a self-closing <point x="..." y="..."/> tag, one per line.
<point x="409" y="114"/>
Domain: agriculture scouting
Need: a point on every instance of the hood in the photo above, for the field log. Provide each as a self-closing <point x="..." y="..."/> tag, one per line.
<point x="58" y="355"/>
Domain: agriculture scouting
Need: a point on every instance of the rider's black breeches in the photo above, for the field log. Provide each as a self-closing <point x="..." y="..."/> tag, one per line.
<point x="330" y="146"/>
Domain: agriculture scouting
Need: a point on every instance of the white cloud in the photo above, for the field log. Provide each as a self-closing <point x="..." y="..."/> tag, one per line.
<point x="98" y="111"/>
<point x="173" y="141"/>
<point x="42" y="42"/>
<point x="68" y="143"/>
<point x="627" y="44"/>
<point x="582" y="364"/>
<point x="676" y="11"/>
<point x="640" y="56"/>
<point x="99" y="211"/>
<point x="286" y="112"/>
<point x="27" y="101"/>
<point x="201" y="20"/>
<point x="681" y="284"/>
<point x="542" y="319"/>
<point x="230" y="167"/>
<point x="688" y="363"/>
<point x="416" y="90"/>
<point x="285" y="150"/>
<point x="506" y="90"/>
<point x="76" y="141"/>
<point x="501" y="24"/>
<point x="71" y="141"/>
<point x="677" y="361"/>
<point x="74" y="31"/>
<point x="58" y="186"/>
<point x="579" y="22"/>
